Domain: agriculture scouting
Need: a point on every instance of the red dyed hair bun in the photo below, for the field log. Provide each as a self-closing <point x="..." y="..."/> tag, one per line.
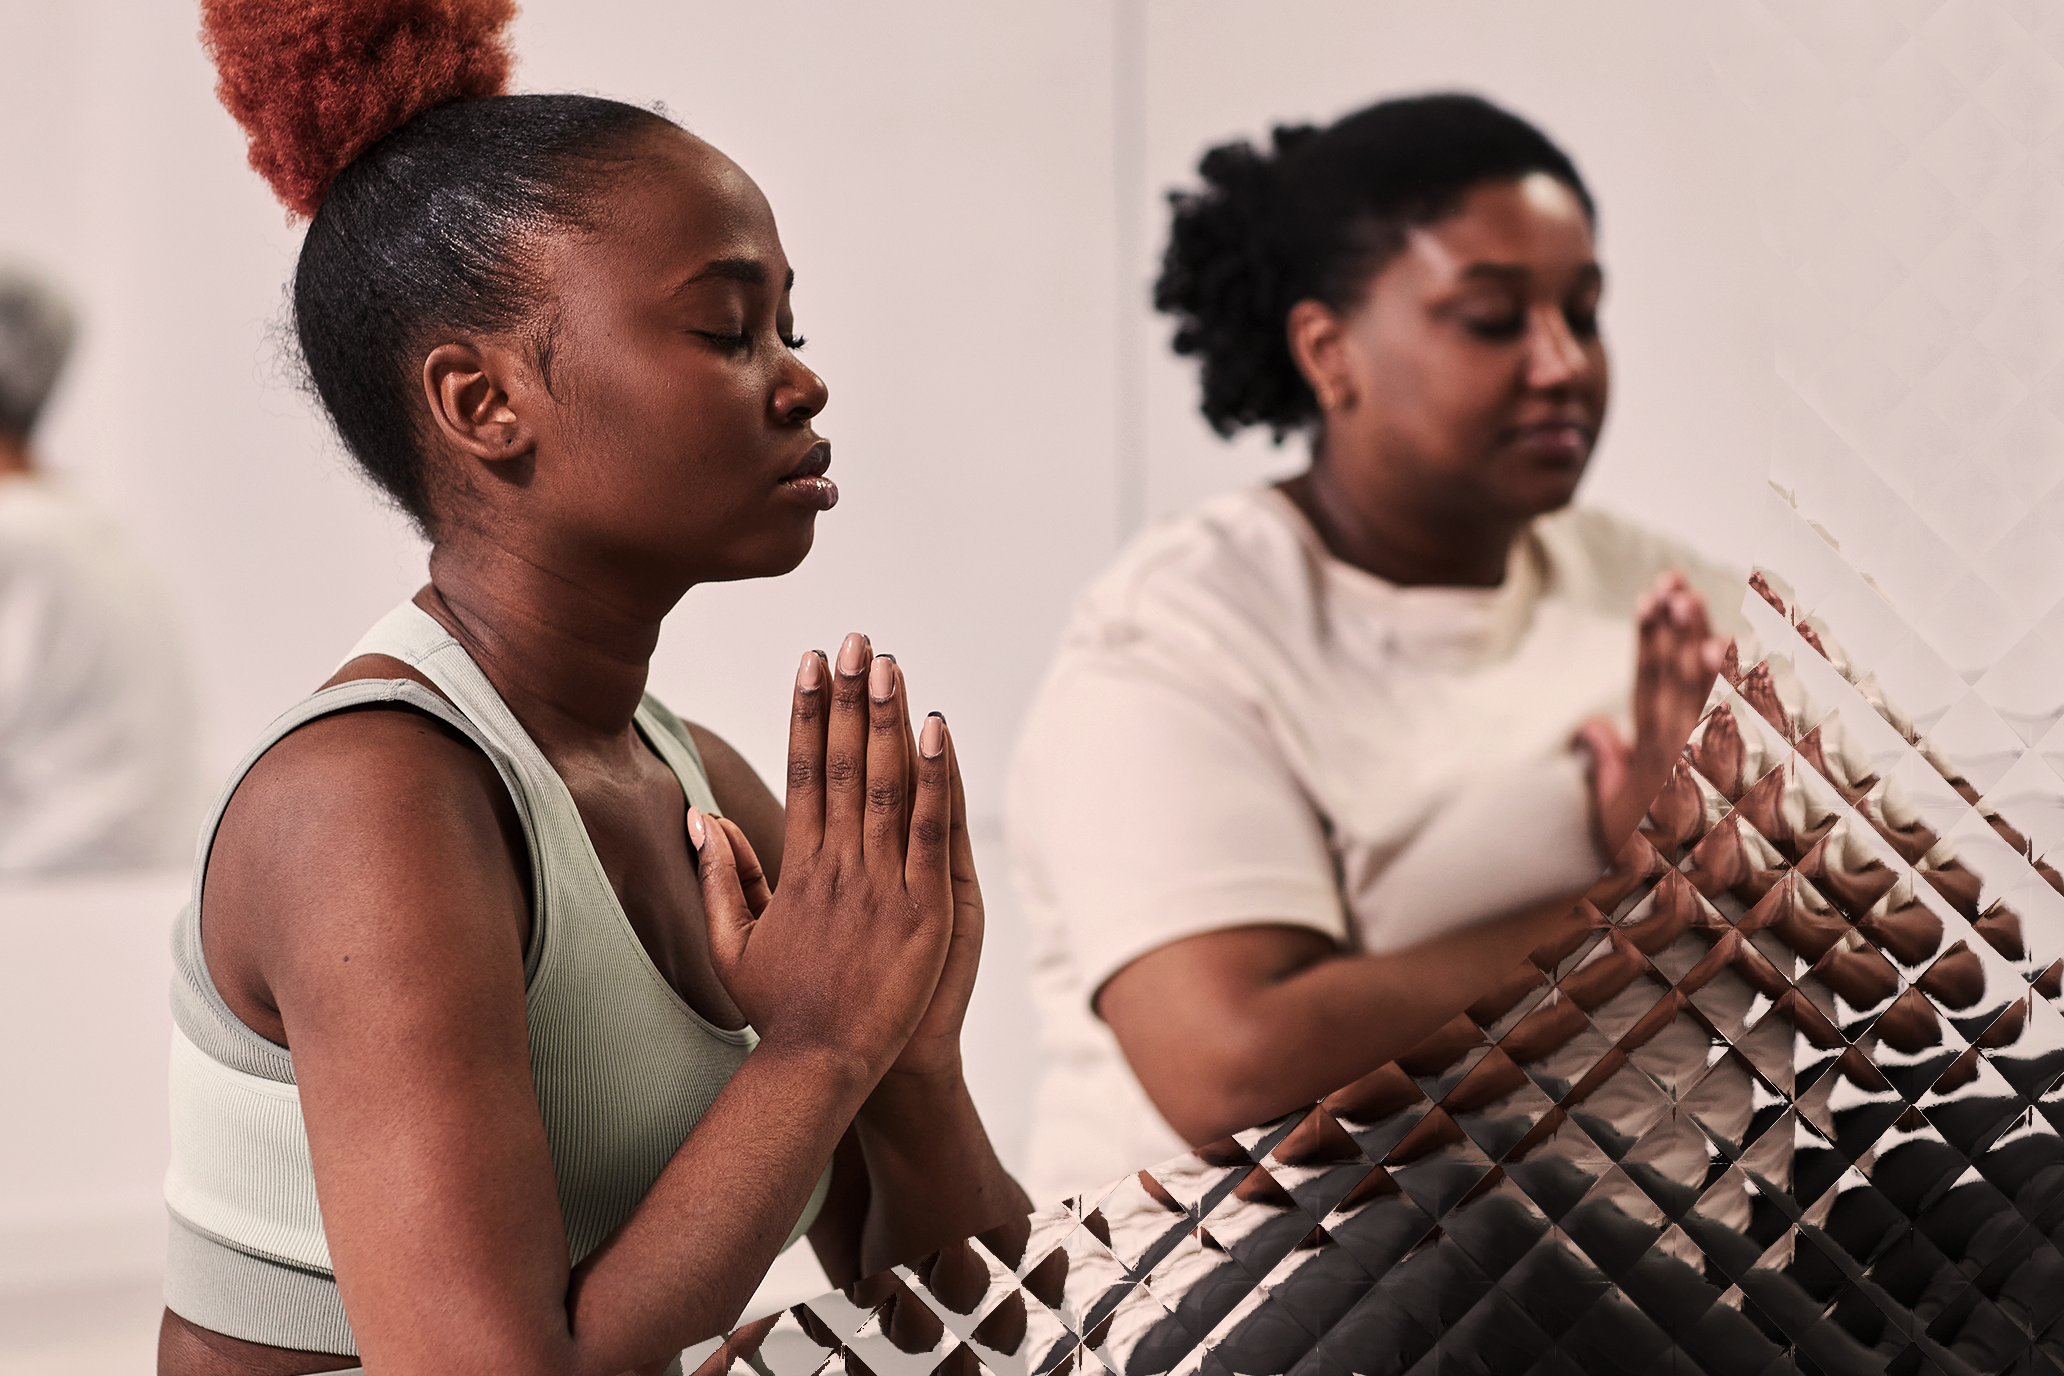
<point x="315" y="83"/>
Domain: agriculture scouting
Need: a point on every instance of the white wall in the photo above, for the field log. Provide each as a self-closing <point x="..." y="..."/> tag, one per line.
<point x="84" y="1020"/>
<point x="972" y="196"/>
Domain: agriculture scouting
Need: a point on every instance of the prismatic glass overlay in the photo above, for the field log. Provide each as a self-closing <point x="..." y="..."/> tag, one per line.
<point x="1793" y="1102"/>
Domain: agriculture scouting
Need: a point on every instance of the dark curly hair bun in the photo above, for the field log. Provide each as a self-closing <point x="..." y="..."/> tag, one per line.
<point x="314" y="83"/>
<point x="1312" y="218"/>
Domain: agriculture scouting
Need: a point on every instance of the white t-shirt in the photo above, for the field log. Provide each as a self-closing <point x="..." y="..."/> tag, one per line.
<point x="97" y="752"/>
<point x="1239" y="728"/>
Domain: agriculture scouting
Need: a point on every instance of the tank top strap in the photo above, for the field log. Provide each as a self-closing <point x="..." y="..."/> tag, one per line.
<point x="413" y="636"/>
<point x="668" y="735"/>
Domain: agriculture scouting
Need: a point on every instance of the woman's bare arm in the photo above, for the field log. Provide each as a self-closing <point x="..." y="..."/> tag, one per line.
<point x="750" y="806"/>
<point x="933" y="1174"/>
<point x="1232" y="1028"/>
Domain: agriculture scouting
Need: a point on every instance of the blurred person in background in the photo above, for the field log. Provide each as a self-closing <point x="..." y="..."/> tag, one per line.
<point x="97" y="767"/>
<point x="1320" y="762"/>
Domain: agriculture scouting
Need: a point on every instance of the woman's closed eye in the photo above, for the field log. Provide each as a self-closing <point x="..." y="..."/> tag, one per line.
<point x="741" y="341"/>
<point x="1505" y="326"/>
<point x="1500" y="325"/>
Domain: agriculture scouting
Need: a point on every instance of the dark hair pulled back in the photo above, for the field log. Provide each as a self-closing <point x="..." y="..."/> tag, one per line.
<point x="426" y="189"/>
<point x="1313" y="218"/>
<point x="427" y="232"/>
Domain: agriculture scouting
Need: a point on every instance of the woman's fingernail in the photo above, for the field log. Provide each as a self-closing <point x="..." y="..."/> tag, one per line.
<point x="852" y="655"/>
<point x="698" y="828"/>
<point x="811" y="673"/>
<point x="931" y="742"/>
<point x="881" y="679"/>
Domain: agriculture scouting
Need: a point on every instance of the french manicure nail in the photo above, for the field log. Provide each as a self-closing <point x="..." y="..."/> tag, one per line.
<point x="932" y="741"/>
<point x="852" y="655"/>
<point x="698" y="829"/>
<point x="881" y="679"/>
<point x="810" y="674"/>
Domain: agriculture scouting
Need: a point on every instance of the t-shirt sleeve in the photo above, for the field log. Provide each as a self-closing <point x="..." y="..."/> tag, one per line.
<point x="1143" y="810"/>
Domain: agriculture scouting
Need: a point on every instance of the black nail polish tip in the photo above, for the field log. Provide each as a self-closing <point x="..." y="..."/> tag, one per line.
<point x="940" y="715"/>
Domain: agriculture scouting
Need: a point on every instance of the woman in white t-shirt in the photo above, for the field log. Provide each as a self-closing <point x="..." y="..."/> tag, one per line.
<point x="1319" y="763"/>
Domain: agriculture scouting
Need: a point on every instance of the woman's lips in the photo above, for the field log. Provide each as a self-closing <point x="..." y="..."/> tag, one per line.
<point x="806" y="482"/>
<point x="1564" y="440"/>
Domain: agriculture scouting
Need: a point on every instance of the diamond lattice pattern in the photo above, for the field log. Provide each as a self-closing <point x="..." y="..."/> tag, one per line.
<point x="1792" y="1102"/>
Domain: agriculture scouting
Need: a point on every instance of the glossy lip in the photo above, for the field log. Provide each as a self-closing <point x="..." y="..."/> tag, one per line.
<point x="806" y="481"/>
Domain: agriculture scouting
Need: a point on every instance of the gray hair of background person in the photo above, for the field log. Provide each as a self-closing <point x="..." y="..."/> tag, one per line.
<point x="37" y="327"/>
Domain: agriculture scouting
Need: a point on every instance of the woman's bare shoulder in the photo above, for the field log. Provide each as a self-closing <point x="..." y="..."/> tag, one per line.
<point x="368" y="768"/>
<point x="379" y="821"/>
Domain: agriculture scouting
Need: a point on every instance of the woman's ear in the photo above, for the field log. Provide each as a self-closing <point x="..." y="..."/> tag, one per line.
<point x="1317" y="337"/>
<point x="475" y="393"/>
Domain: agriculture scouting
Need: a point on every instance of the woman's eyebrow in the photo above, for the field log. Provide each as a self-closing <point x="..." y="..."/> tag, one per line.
<point x="748" y="270"/>
<point x="1501" y="272"/>
<point x="1518" y="272"/>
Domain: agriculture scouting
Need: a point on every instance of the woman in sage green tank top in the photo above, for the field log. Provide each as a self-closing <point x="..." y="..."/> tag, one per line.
<point x="494" y="1053"/>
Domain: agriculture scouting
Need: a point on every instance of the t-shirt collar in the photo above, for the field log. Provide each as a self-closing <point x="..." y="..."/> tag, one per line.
<point x="1435" y="627"/>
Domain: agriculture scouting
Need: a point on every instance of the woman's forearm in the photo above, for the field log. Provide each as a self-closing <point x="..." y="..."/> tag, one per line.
<point x="933" y="1175"/>
<point x="685" y="1263"/>
<point x="1241" y="1054"/>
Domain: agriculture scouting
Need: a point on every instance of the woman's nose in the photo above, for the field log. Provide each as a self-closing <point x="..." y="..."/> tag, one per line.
<point x="1555" y="356"/>
<point x="801" y="395"/>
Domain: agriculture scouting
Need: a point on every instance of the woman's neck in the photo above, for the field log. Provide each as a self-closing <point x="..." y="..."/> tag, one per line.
<point x="568" y="654"/>
<point x="1381" y="529"/>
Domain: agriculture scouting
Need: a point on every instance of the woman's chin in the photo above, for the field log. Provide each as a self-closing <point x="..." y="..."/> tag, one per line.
<point x="1547" y="488"/>
<point x="767" y="558"/>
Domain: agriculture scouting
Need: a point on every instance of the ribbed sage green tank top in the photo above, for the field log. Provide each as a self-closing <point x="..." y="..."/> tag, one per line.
<point x="623" y="1067"/>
